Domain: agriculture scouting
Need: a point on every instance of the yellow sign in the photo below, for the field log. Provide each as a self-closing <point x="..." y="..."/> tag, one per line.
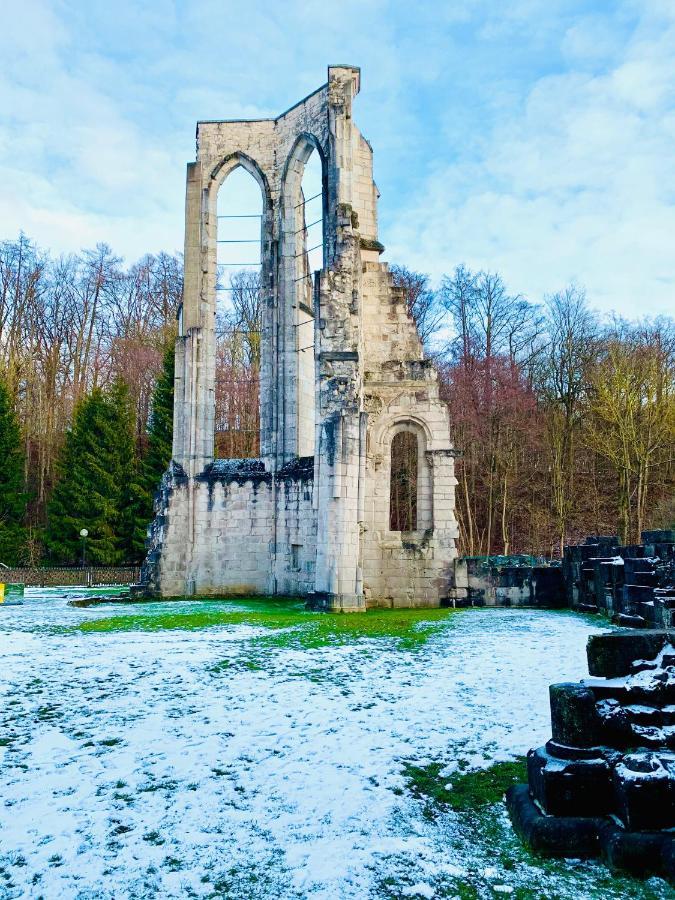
<point x="11" y="593"/>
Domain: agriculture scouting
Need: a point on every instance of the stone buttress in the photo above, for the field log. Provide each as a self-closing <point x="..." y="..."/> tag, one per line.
<point x="310" y="517"/>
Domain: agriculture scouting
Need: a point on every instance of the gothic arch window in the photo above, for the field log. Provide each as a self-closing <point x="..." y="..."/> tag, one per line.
<point x="403" y="481"/>
<point x="238" y="315"/>
<point x="304" y="253"/>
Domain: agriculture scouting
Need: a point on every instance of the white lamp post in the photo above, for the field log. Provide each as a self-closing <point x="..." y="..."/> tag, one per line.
<point x="84" y="534"/>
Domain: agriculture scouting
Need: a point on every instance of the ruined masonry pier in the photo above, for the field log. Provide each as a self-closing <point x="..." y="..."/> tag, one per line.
<point x="311" y="516"/>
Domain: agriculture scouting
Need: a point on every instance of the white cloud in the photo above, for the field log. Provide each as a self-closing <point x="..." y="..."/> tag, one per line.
<point x="568" y="177"/>
<point x="579" y="185"/>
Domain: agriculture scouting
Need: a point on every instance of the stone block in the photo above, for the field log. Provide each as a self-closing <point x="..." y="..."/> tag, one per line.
<point x="574" y="718"/>
<point x="568" y="836"/>
<point x="612" y="655"/>
<point x="570" y="787"/>
<point x="644" y="791"/>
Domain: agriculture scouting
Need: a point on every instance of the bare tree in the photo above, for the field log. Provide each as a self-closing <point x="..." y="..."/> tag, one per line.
<point x="487" y="320"/>
<point x="572" y="338"/>
<point x="631" y="409"/>
<point x="238" y="338"/>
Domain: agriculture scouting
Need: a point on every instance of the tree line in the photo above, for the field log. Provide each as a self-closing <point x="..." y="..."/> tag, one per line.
<point x="84" y="343"/>
<point x="565" y="421"/>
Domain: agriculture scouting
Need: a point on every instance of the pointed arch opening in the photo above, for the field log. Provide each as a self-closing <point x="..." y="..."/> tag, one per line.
<point x="304" y="254"/>
<point x="240" y="211"/>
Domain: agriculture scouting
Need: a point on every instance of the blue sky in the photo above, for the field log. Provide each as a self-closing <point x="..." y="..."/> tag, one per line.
<point x="532" y="137"/>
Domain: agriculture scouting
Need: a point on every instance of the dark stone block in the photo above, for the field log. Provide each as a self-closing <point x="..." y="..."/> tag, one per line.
<point x="637" y="593"/>
<point x="657" y="693"/>
<point x="548" y="587"/>
<point x="606" y="690"/>
<point x="650" y="736"/>
<point x="642" y="854"/>
<point x="569" y="787"/>
<point x="236" y="471"/>
<point x="650" y="715"/>
<point x="603" y="540"/>
<point x="612" y="655"/>
<point x="616" y="726"/>
<point x="632" y="551"/>
<point x="645" y="579"/>
<point x="549" y="835"/>
<point x="562" y="751"/>
<point x="644" y="791"/>
<point x="633" y="565"/>
<point x="574" y="719"/>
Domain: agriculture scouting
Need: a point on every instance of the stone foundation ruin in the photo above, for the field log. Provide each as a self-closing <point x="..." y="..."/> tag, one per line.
<point x="604" y="785"/>
<point x="634" y="585"/>
<point x="344" y="385"/>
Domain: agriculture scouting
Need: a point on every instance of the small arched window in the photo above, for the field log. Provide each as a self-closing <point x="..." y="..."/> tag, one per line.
<point x="403" y="483"/>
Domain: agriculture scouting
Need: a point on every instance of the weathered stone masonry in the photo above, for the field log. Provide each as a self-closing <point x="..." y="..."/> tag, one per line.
<point x="311" y="516"/>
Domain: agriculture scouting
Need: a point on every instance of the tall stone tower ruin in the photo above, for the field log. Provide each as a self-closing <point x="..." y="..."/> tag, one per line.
<point x="313" y="515"/>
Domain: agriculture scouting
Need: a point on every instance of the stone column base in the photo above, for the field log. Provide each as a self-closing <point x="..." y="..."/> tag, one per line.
<point x="336" y="602"/>
<point x="641" y="853"/>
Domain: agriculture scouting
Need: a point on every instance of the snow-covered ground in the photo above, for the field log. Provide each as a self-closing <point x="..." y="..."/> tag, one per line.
<point x="176" y="763"/>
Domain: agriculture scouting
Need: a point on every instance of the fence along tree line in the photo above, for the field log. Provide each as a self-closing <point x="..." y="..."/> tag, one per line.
<point x="566" y="423"/>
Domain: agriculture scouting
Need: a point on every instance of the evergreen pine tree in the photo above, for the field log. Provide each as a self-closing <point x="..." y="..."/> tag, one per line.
<point x="158" y="455"/>
<point x="125" y="464"/>
<point x="12" y="495"/>
<point x="160" y="428"/>
<point x="96" y="469"/>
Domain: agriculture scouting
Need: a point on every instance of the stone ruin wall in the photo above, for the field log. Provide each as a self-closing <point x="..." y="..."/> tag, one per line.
<point x="311" y="516"/>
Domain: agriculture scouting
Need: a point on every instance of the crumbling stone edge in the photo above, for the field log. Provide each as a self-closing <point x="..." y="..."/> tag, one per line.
<point x="640" y="853"/>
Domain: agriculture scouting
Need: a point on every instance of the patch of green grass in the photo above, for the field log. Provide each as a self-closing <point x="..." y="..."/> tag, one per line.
<point x="48" y="712"/>
<point x="481" y="826"/>
<point x="466" y="790"/>
<point x="195" y="615"/>
<point x="288" y="623"/>
<point x="154" y="838"/>
<point x="172" y="863"/>
<point x="163" y="785"/>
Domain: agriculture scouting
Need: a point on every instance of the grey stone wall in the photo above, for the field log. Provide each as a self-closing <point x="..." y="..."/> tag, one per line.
<point x="508" y="581"/>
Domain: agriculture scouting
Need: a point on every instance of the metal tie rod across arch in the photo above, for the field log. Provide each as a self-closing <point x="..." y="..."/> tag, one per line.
<point x="311" y="225"/>
<point x="304" y="202"/>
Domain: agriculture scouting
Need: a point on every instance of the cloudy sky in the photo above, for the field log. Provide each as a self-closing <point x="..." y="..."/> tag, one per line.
<point x="532" y="137"/>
